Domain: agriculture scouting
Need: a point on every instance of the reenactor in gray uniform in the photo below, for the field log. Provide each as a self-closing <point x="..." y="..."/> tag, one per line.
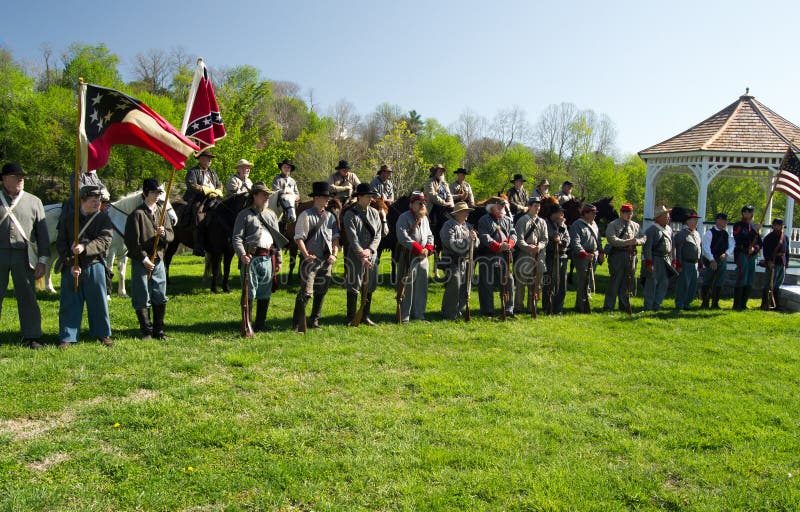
<point x="586" y="250"/>
<point x="541" y="190"/>
<point x="461" y="190"/>
<point x="202" y="185"/>
<point x="565" y="194"/>
<point x="457" y="237"/>
<point x="657" y="254"/>
<point x="343" y="182"/>
<point x="555" y="280"/>
<point x="717" y="248"/>
<point x="240" y="183"/>
<point x="688" y="248"/>
<point x="258" y="241"/>
<point x="284" y="181"/>
<point x="517" y="196"/>
<point x="94" y="238"/>
<point x="317" y="236"/>
<point x="623" y="236"/>
<point x="140" y="235"/>
<point x="497" y="237"/>
<point x="414" y="236"/>
<point x="382" y="184"/>
<point x="362" y="227"/>
<point x="24" y="250"/>
<point x="529" y="252"/>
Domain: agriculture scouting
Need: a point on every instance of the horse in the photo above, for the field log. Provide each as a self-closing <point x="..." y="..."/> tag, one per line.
<point x="218" y="229"/>
<point x="334" y="207"/>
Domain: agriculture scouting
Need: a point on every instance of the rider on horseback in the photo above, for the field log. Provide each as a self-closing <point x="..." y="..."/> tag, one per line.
<point x="202" y="187"/>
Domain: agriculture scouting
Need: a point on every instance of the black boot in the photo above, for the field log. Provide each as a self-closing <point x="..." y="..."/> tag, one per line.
<point x="352" y="302"/>
<point x="299" y="311"/>
<point x="144" y="323"/>
<point x="316" y="310"/>
<point x="765" y="305"/>
<point x="745" y="296"/>
<point x="776" y="293"/>
<point x="366" y="319"/>
<point x="262" y="306"/>
<point x="705" y="294"/>
<point x="715" y="297"/>
<point x="158" y="321"/>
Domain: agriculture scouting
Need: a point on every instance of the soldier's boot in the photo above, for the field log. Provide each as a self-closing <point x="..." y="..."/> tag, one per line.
<point x="144" y="323"/>
<point x="737" y="299"/>
<point x="765" y="305"/>
<point x="352" y="303"/>
<point x="299" y="311"/>
<point x="159" y="312"/>
<point x="262" y="306"/>
<point x="366" y="319"/>
<point x="316" y="310"/>
<point x="705" y="294"/>
<point x="715" y="297"/>
<point x="745" y="296"/>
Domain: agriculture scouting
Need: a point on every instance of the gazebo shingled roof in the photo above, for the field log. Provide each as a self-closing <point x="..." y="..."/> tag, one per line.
<point x="745" y="125"/>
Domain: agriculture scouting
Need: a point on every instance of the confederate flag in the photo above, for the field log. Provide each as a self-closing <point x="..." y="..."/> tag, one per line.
<point x="788" y="178"/>
<point x="110" y="117"/>
<point x="202" y="122"/>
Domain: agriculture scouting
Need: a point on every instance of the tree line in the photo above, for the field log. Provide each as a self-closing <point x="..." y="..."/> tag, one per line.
<point x="269" y="120"/>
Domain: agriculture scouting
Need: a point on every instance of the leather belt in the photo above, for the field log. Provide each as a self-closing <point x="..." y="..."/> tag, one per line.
<point x="262" y="252"/>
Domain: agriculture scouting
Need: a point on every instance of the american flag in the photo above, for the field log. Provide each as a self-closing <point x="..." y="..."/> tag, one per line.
<point x="788" y="178"/>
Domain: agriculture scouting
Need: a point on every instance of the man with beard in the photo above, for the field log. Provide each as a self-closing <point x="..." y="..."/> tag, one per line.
<point x="415" y="237"/>
<point x="497" y="236"/>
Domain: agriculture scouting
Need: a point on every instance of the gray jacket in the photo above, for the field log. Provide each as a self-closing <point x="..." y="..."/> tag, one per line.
<point x="584" y="237"/>
<point x="248" y="231"/>
<point x="363" y="229"/>
<point x="415" y="239"/>
<point x="325" y="229"/>
<point x="29" y="211"/>
<point x="385" y="189"/>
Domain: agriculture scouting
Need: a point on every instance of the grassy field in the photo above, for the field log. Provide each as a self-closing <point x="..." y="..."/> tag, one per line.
<point x="659" y="411"/>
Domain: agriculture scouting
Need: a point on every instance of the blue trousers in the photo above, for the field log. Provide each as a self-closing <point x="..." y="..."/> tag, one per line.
<point x="259" y="285"/>
<point x="745" y="270"/>
<point x="92" y="291"/>
<point x="148" y="292"/>
<point x="686" y="289"/>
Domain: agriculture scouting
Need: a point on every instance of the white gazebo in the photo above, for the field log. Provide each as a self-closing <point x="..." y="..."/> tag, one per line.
<point x="745" y="139"/>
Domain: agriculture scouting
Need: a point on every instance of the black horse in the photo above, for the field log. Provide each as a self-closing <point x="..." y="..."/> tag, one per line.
<point x="218" y="229"/>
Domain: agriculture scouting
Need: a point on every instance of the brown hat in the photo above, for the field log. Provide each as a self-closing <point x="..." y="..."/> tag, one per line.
<point x="259" y="186"/>
<point x="495" y="200"/>
<point x="206" y="152"/>
<point x="438" y="167"/>
<point x="461" y="206"/>
<point x="385" y="168"/>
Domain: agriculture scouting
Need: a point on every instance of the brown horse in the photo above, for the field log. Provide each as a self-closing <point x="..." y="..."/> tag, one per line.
<point x="334" y="206"/>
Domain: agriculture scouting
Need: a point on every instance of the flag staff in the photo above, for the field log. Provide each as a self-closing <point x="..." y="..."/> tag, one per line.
<point x="76" y="180"/>
<point x="162" y="219"/>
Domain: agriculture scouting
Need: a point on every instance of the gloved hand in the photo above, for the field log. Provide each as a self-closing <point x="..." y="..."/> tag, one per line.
<point x="212" y="192"/>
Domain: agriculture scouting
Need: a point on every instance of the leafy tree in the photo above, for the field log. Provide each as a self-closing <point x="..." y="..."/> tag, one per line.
<point x="397" y="148"/>
<point x="494" y="176"/>
<point x="438" y="146"/>
<point x="94" y="63"/>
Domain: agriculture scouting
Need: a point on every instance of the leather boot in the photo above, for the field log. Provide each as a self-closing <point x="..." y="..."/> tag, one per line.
<point x="316" y="310"/>
<point x="299" y="311"/>
<point x="715" y="297"/>
<point x="144" y="323"/>
<point x="765" y="305"/>
<point x="777" y="294"/>
<point x="705" y="294"/>
<point x="366" y="319"/>
<point x="158" y="321"/>
<point x="737" y="299"/>
<point x="262" y="306"/>
<point x="745" y="296"/>
<point x="352" y="304"/>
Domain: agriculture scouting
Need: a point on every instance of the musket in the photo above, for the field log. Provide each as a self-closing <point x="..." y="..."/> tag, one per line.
<point x="505" y="264"/>
<point x="587" y="305"/>
<point x="771" y="304"/>
<point x="631" y="271"/>
<point x="555" y="274"/>
<point x="364" y="291"/>
<point x="533" y="288"/>
<point x="246" y="328"/>
<point x="401" y="288"/>
<point x="470" y="271"/>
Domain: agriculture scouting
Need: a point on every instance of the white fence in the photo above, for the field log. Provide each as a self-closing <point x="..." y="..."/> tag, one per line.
<point x="793" y="235"/>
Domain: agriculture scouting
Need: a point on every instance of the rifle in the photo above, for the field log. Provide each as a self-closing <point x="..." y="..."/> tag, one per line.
<point x="401" y="288"/>
<point x="532" y="289"/>
<point x="246" y="329"/>
<point x="554" y="274"/>
<point x="364" y="291"/>
<point x="470" y="271"/>
<point x="587" y="306"/>
<point x="770" y="302"/>
<point x="505" y="295"/>
<point x="631" y="271"/>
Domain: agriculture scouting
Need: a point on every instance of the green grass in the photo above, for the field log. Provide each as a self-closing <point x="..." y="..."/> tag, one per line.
<point x="696" y="411"/>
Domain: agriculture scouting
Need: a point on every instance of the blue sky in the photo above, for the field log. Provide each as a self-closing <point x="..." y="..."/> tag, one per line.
<point x="655" y="68"/>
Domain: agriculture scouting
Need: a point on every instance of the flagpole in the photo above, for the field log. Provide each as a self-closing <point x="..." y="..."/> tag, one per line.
<point x="161" y="220"/>
<point x="772" y="189"/>
<point x="76" y="182"/>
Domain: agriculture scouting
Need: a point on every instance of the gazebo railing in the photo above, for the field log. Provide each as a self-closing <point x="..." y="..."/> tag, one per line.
<point x="793" y="235"/>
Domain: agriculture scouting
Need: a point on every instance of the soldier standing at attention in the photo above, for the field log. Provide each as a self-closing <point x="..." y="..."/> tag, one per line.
<point x="747" y="242"/>
<point x="586" y="250"/>
<point x="623" y="236"/>
<point x="555" y="288"/>
<point x="657" y="254"/>
<point x="497" y="237"/>
<point x="776" y="257"/>
<point x="362" y="226"/>
<point x="257" y="241"/>
<point x="457" y="237"/>
<point x="528" y="257"/>
<point x="688" y="247"/>
<point x="415" y="236"/>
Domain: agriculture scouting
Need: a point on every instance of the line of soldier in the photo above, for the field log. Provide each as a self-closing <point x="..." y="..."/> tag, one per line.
<point x="536" y="249"/>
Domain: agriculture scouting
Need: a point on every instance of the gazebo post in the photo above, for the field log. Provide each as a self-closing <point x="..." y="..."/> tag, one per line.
<point x="649" y="194"/>
<point x="787" y="222"/>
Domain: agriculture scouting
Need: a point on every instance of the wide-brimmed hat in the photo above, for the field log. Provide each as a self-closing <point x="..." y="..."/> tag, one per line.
<point x="556" y="209"/>
<point x="519" y="177"/>
<point x="385" y="168"/>
<point x="661" y="210"/>
<point x="13" y="169"/>
<point x="88" y="191"/>
<point x="438" y="167"/>
<point x="544" y="182"/>
<point x="259" y="186"/>
<point x="364" y="189"/>
<point x="286" y="161"/>
<point x="777" y="222"/>
<point x="495" y="200"/>
<point x="416" y="196"/>
<point x="243" y="162"/>
<point x="692" y="215"/>
<point x="567" y="183"/>
<point x="343" y="165"/>
<point x="151" y="184"/>
<point x="461" y="206"/>
<point x="461" y="170"/>
<point x="206" y="152"/>
<point x="320" y="188"/>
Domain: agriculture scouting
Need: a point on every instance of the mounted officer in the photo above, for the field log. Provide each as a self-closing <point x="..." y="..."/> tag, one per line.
<point x="343" y="182"/>
<point x="382" y="184"/>
<point x="517" y="196"/>
<point x="202" y="187"/>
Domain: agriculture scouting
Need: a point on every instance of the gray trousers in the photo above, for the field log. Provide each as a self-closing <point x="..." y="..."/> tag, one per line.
<point x="315" y="277"/>
<point x="525" y="269"/>
<point x="15" y="261"/>
<point x="355" y="273"/>
<point x="415" y="299"/>
<point x="454" y="299"/>
<point x="712" y="278"/>
<point x="619" y="268"/>
<point x="489" y="280"/>
<point x="686" y="289"/>
<point x="656" y="285"/>
<point x="581" y="276"/>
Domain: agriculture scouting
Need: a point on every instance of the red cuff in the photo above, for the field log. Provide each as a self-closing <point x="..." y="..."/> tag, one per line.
<point x="648" y="262"/>
<point x="416" y="248"/>
<point x="583" y="255"/>
<point x="494" y="246"/>
<point x="511" y="243"/>
<point x="429" y="247"/>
